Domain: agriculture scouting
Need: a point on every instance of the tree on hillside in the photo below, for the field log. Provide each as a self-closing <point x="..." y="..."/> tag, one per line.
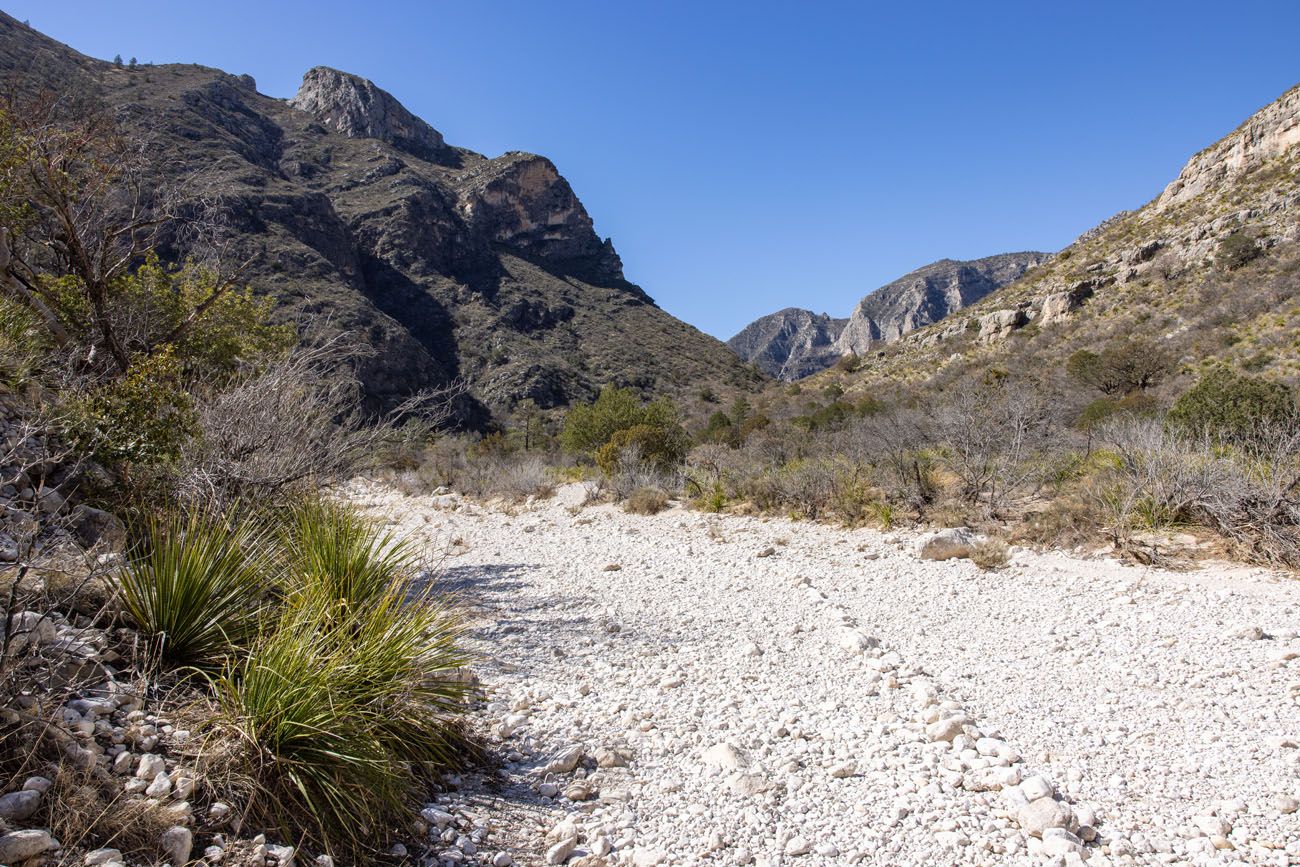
<point x="1122" y="367"/>
<point x="1235" y="408"/>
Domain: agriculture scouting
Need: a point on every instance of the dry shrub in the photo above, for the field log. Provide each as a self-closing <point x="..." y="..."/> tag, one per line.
<point x="513" y="476"/>
<point x="89" y="810"/>
<point x="990" y="554"/>
<point x="1064" y="523"/>
<point x="293" y="426"/>
<point x="646" y="501"/>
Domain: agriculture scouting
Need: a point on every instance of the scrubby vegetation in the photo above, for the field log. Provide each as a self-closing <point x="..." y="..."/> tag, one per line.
<point x="1095" y="455"/>
<point x="323" y="673"/>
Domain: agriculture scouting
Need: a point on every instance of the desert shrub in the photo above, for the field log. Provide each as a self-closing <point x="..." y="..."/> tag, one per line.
<point x="849" y="363"/>
<point x="1233" y="408"/>
<point x="662" y="447"/>
<point x="23" y="343"/>
<point x="196" y="587"/>
<point x="992" y="439"/>
<point x="1156" y="480"/>
<point x="1122" y="367"/>
<point x="145" y="417"/>
<point x="332" y="555"/>
<point x="295" y="424"/>
<point x="990" y="554"/>
<point x="341" y="712"/>
<point x="588" y="427"/>
<point x="1237" y="249"/>
<point x="712" y="499"/>
<point x="1064" y="522"/>
<point x="646" y="501"/>
<point x="631" y="472"/>
<point x="808" y="487"/>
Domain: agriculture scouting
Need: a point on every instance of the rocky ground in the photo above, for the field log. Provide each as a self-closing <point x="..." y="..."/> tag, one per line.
<point x="689" y="688"/>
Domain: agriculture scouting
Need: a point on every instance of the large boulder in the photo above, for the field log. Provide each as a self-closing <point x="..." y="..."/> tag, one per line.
<point x="946" y="544"/>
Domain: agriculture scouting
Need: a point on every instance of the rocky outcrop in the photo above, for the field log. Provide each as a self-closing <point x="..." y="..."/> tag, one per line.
<point x="1000" y="323"/>
<point x="1268" y="133"/>
<point x="355" y="107"/>
<point x="927" y="295"/>
<point x="358" y="218"/>
<point x="789" y="344"/>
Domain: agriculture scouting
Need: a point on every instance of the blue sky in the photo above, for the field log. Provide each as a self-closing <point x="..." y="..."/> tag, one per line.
<point x="750" y="156"/>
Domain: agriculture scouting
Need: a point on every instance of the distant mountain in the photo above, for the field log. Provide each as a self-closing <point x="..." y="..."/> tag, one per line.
<point x="794" y="343"/>
<point x="1209" y="270"/>
<point x="357" y="216"/>
<point x="789" y="344"/>
<point x="927" y="295"/>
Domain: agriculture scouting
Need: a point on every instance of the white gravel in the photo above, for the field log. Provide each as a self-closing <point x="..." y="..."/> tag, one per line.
<point x="796" y="705"/>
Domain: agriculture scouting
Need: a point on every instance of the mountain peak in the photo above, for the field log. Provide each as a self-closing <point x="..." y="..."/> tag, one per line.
<point x="358" y="108"/>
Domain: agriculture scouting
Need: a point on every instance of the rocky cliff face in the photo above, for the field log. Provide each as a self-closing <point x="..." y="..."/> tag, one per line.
<point x="353" y="106"/>
<point x="789" y="344"/>
<point x="927" y="295"/>
<point x="1166" y="271"/>
<point x="1269" y="133"/>
<point x="358" y="217"/>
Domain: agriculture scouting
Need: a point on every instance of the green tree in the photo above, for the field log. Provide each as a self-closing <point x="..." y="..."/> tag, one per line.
<point x="1233" y="407"/>
<point x="1236" y="249"/>
<point x="588" y="427"/>
<point x="1122" y="367"/>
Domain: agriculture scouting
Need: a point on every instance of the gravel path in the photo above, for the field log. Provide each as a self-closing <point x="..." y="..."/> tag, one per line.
<point x="689" y="689"/>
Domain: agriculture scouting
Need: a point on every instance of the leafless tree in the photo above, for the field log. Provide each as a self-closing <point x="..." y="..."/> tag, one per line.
<point x="298" y="421"/>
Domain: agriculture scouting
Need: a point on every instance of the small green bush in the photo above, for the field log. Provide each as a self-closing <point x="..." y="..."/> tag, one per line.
<point x="1233" y="407"/>
<point x="197" y="587"/>
<point x="1237" y="249"/>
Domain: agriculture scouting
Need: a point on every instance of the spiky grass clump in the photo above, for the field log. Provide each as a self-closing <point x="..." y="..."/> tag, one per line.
<point x="353" y="696"/>
<point x="332" y="553"/>
<point x="197" y="587"/>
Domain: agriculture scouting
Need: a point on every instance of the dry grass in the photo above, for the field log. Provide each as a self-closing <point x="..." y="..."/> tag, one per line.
<point x="646" y="501"/>
<point x="89" y="810"/>
<point x="990" y="554"/>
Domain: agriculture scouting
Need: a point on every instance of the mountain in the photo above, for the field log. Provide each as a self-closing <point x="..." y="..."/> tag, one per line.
<point x="1209" y="269"/>
<point x="789" y="344"/>
<point x="927" y="295"/>
<point x="358" y="217"/>
<point x="794" y="343"/>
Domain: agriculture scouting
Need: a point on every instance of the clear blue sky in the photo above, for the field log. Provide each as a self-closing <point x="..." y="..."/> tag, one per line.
<point x="750" y="156"/>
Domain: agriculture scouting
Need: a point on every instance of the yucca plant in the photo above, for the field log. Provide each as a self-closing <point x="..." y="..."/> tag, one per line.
<point x="331" y="553"/>
<point x="343" y="710"/>
<point x="197" y="585"/>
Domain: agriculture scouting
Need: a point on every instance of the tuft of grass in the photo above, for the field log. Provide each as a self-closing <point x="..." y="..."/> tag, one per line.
<point x="646" y="501"/>
<point x="332" y="553"/>
<point x="990" y="554"/>
<point x="342" y="710"/>
<point x="197" y="588"/>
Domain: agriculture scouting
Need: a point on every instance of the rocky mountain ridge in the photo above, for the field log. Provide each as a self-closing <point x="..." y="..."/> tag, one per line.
<point x="795" y="343"/>
<point x="791" y="343"/>
<point x="358" y="217"/>
<point x="1210" y="268"/>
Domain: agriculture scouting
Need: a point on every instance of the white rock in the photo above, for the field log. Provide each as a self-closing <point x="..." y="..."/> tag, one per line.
<point x="1039" y="815"/>
<point x="723" y="756"/>
<point x="559" y="852"/>
<point x="797" y="846"/>
<point x="177" y="842"/>
<point x="102" y="856"/>
<point x="844" y="770"/>
<point x="19" y="846"/>
<point x="151" y="765"/>
<point x="1037" y="787"/>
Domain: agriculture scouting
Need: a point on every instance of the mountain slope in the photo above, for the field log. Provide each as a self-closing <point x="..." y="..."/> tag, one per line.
<point x="359" y="217"/>
<point x="789" y="344"/>
<point x="927" y="295"/>
<point x="1209" y="269"/>
<point x="794" y="343"/>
